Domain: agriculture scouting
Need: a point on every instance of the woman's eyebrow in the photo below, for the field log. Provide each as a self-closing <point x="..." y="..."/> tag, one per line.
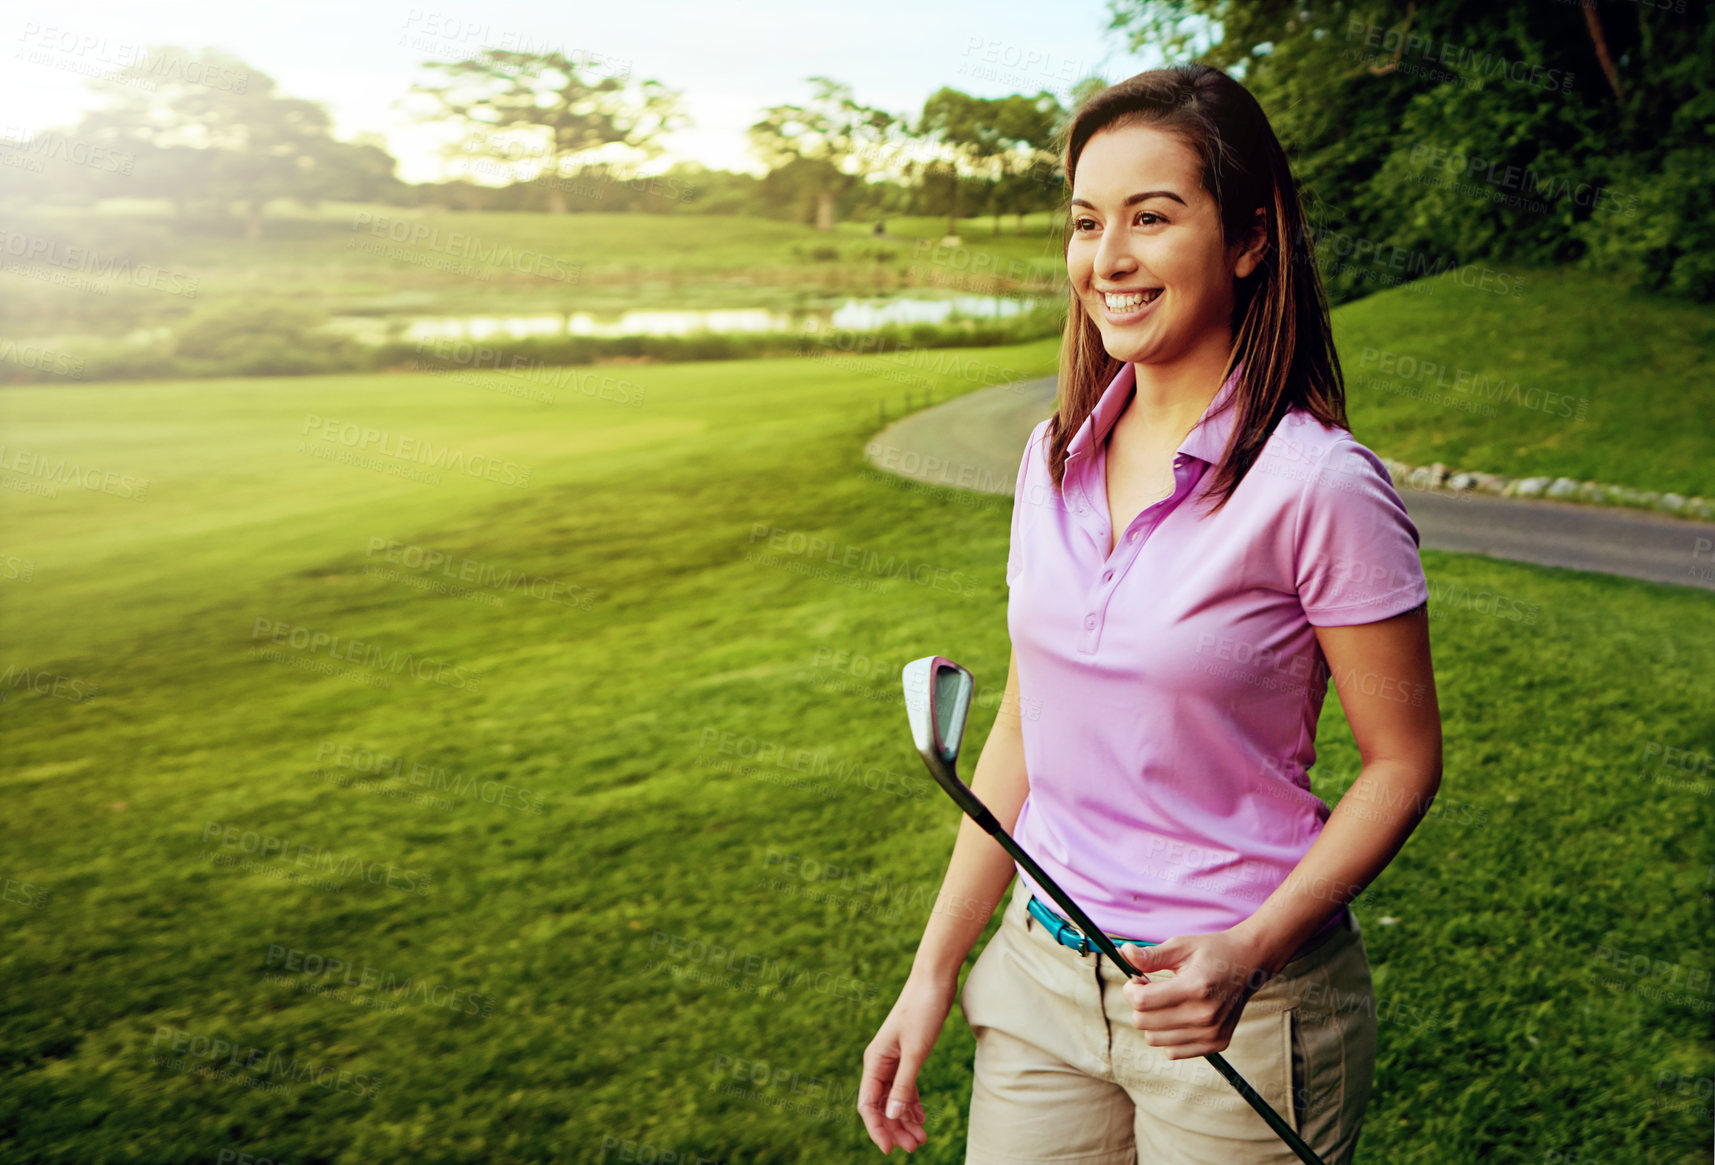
<point x="1143" y="197"/>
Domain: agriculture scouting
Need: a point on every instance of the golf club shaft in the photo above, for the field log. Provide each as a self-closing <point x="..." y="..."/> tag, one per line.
<point x="979" y="813"/>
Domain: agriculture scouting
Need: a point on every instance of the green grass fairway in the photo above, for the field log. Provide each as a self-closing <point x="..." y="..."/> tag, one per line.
<point x="652" y="853"/>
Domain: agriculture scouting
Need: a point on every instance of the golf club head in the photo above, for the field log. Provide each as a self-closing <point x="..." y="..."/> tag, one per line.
<point x="937" y="701"/>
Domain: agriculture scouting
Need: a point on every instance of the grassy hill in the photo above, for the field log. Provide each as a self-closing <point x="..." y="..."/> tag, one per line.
<point x="1572" y="376"/>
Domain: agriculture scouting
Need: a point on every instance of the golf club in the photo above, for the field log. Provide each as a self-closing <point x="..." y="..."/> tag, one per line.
<point x="937" y="701"/>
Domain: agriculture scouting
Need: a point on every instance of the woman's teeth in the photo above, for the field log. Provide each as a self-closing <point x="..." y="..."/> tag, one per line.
<point x="1130" y="302"/>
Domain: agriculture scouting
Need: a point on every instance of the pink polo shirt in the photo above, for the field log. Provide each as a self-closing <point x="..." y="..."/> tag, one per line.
<point x="1177" y="682"/>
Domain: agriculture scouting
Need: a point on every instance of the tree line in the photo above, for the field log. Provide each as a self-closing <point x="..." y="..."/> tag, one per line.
<point x="531" y="131"/>
<point x="1428" y="134"/>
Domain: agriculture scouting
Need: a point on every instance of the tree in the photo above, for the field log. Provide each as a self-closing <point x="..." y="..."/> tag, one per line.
<point x="965" y="128"/>
<point x="1028" y="127"/>
<point x="817" y="141"/>
<point x="211" y="130"/>
<point x="499" y="95"/>
<point x="1581" y="132"/>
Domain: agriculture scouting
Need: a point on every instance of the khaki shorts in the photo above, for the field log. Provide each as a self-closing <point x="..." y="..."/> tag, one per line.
<point x="1062" y="1074"/>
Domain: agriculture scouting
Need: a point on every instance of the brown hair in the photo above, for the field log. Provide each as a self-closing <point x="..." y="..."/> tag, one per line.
<point x="1281" y="331"/>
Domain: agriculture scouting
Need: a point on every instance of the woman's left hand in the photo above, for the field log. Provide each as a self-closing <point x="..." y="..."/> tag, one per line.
<point x="1194" y="1012"/>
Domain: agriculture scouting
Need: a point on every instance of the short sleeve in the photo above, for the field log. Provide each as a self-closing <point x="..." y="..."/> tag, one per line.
<point x="1015" y="549"/>
<point x="1355" y="549"/>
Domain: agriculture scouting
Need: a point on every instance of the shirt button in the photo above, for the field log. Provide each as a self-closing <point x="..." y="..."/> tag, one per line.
<point x="1106" y="575"/>
<point x="1089" y="621"/>
<point x="1132" y="537"/>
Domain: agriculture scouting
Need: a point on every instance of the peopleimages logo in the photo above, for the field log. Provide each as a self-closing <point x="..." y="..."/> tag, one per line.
<point x="467" y="246"/>
<point x="60" y="471"/>
<point x="475" y="571"/>
<point x="1473" y="384"/>
<point x="331" y="969"/>
<point x="49" y="360"/>
<point x="1479" y="63"/>
<point x="1524" y="181"/>
<point x="435" y="778"/>
<point x="314" y="857"/>
<point x="419" y="450"/>
<point x="263" y="1062"/>
<point x="521" y="372"/>
<point x="872" y="562"/>
<point x="360" y="652"/>
<point x="129" y="62"/>
<point x="61" y="148"/>
<point x="69" y="257"/>
<point x="45" y="683"/>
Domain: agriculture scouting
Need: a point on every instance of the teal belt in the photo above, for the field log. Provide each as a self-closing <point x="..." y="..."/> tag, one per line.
<point x="1068" y="935"/>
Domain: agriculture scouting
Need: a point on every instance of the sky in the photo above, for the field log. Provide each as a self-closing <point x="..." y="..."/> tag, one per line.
<point x="730" y="61"/>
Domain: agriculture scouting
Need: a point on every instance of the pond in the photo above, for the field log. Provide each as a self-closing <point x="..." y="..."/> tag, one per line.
<point x="858" y="315"/>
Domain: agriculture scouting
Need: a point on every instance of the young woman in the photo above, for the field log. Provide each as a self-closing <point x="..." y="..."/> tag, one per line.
<point x="1198" y="544"/>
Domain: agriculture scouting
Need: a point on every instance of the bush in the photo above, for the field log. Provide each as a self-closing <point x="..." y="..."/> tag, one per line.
<point x="1661" y="234"/>
<point x="234" y="331"/>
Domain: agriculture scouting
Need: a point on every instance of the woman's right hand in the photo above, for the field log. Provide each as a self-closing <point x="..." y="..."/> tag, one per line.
<point x="887" y="1098"/>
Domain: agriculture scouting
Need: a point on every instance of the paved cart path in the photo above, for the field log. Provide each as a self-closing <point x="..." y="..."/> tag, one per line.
<point x="976" y="440"/>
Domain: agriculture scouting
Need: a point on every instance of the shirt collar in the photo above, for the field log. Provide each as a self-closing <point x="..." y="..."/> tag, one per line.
<point x="1206" y="441"/>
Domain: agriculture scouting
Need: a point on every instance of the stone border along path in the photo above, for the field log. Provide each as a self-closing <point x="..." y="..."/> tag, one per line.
<point x="974" y="442"/>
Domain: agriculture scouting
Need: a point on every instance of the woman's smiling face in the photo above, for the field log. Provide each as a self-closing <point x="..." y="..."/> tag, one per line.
<point x="1146" y="257"/>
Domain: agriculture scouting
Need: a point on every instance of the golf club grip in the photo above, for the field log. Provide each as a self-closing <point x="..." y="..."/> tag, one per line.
<point x="1096" y="935"/>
